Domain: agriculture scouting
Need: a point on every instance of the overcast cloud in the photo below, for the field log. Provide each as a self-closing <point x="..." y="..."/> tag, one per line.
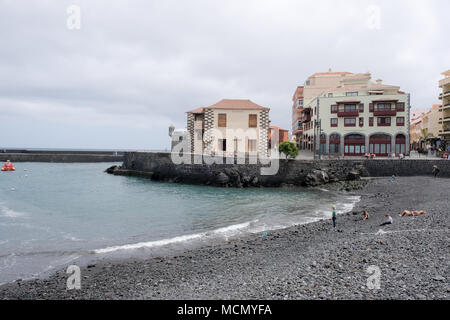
<point x="135" y="67"/>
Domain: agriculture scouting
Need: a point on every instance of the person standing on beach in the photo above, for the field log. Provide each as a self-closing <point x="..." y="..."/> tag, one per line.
<point x="333" y="217"/>
<point x="436" y="170"/>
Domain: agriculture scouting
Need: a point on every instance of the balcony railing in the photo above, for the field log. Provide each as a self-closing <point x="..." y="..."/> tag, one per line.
<point x="384" y="112"/>
<point x="353" y="113"/>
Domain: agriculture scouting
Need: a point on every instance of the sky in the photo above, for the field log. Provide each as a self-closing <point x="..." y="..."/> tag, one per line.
<point x="118" y="76"/>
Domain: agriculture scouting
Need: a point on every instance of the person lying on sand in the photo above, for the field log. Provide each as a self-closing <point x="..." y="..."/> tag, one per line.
<point x="412" y="213"/>
<point x="388" y="220"/>
<point x="365" y="215"/>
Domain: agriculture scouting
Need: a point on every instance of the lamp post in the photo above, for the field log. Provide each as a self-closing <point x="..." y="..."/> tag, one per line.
<point x="317" y="133"/>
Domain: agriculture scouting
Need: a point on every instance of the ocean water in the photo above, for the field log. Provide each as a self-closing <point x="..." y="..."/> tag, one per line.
<point x="55" y="214"/>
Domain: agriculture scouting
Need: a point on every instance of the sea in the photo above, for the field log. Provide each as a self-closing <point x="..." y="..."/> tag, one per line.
<point x="53" y="215"/>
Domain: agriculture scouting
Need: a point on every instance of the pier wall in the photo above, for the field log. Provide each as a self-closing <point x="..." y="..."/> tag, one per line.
<point x="159" y="166"/>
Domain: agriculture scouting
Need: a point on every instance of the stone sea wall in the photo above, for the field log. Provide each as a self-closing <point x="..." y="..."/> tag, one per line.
<point x="159" y="166"/>
<point x="60" y="157"/>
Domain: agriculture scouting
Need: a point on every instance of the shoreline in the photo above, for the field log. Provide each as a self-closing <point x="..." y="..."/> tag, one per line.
<point x="309" y="261"/>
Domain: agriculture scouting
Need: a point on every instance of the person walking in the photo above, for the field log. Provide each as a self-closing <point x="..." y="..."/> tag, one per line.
<point x="333" y="217"/>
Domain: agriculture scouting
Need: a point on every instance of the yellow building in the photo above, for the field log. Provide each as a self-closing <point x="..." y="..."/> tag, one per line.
<point x="429" y="120"/>
<point x="355" y="115"/>
<point x="229" y="127"/>
<point x="444" y="84"/>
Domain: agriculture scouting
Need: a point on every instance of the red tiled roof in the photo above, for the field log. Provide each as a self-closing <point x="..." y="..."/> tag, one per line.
<point x="278" y="128"/>
<point x="235" y="104"/>
<point x="330" y="74"/>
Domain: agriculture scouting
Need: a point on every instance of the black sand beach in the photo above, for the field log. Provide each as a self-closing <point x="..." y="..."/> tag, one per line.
<point x="304" y="262"/>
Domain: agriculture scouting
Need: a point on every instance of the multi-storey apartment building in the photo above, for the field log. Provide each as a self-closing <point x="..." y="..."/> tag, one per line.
<point x="445" y="108"/>
<point x="355" y="115"/>
<point x="297" y="108"/>
<point x="428" y="120"/>
<point x="229" y="127"/>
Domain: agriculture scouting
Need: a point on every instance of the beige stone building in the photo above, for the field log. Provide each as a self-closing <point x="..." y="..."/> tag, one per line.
<point x="429" y="120"/>
<point x="444" y="84"/>
<point x="355" y="115"/>
<point x="229" y="127"/>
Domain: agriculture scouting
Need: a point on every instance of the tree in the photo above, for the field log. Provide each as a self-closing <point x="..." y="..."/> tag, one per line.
<point x="426" y="134"/>
<point x="288" y="148"/>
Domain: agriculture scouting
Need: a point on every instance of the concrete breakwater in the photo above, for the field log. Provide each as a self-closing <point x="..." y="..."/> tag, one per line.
<point x="159" y="166"/>
<point x="62" y="156"/>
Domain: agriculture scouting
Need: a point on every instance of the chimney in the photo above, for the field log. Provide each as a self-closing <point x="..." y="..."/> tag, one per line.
<point x="379" y="81"/>
<point x="329" y="69"/>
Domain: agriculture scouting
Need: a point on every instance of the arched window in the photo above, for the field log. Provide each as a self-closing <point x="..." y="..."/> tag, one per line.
<point x="400" y="144"/>
<point x="354" y="145"/>
<point x="323" y="143"/>
<point x="335" y="143"/>
<point x="380" y="144"/>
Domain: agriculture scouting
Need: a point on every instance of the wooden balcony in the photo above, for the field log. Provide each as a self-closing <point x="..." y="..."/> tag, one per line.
<point x="348" y="113"/>
<point x="385" y="112"/>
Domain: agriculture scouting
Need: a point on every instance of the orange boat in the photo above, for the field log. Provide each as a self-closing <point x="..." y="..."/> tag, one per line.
<point x="8" y="166"/>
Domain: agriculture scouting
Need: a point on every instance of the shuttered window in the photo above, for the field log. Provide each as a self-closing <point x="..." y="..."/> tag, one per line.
<point x="222" y="119"/>
<point x="252" y="120"/>
<point x="251" y="145"/>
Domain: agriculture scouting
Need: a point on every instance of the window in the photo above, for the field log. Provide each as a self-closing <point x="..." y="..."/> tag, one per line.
<point x="350" y="122"/>
<point x="252" y="120"/>
<point x="300" y="103"/>
<point x="370" y="107"/>
<point x="384" y="106"/>
<point x="334" y="108"/>
<point x="400" y="121"/>
<point x="222" y="119"/>
<point x="384" y="121"/>
<point x="361" y="122"/>
<point x="351" y="94"/>
<point x="334" y="122"/>
<point x="222" y="144"/>
<point x="349" y="107"/>
<point x="361" y="107"/>
<point x="330" y="95"/>
<point x="251" y="145"/>
<point x="307" y="83"/>
<point x="400" y="106"/>
<point x="371" y="122"/>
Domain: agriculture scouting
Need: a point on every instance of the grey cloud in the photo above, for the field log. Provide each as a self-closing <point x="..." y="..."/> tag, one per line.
<point x="139" y="62"/>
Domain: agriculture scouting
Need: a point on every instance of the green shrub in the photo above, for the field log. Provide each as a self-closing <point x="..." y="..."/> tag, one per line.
<point x="288" y="148"/>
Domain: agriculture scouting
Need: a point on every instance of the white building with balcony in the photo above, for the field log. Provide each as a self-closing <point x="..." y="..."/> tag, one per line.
<point x="348" y="114"/>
